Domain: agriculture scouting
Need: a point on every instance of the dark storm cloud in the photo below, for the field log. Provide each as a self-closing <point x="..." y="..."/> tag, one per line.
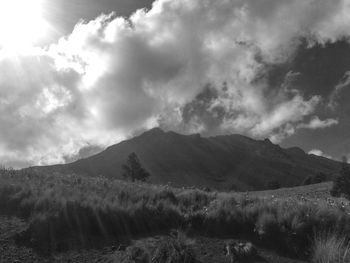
<point x="200" y="111"/>
<point x="112" y="76"/>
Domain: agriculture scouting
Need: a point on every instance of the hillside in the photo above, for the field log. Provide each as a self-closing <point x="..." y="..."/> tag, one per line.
<point x="222" y="162"/>
<point x="72" y="218"/>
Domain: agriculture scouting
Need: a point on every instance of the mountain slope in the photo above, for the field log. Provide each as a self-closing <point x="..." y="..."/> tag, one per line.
<point x="222" y="162"/>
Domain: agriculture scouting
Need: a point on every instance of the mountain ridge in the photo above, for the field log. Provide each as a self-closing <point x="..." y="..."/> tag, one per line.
<point x="222" y="162"/>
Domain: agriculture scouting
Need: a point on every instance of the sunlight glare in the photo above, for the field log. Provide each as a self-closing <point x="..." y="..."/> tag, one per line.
<point x="21" y="23"/>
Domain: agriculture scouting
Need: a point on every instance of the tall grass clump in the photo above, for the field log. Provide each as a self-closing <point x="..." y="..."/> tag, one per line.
<point x="174" y="250"/>
<point x="330" y="248"/>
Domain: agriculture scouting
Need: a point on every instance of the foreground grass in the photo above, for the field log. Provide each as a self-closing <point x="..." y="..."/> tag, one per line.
<point x="330" y="248"/>
<point x="69" y="211"/>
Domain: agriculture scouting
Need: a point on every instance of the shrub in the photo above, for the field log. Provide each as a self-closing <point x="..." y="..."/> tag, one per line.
<point x="315" y="179"/>
<point x="341" y="184"/>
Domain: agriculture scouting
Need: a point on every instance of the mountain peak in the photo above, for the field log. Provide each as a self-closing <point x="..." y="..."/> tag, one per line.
<point x="268" y="141"/>
<point x="155" y="130"/>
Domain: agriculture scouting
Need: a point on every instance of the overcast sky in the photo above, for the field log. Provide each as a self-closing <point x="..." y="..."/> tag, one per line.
<point x="106" y="70"/>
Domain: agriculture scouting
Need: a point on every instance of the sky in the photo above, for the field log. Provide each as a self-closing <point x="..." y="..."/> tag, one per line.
<point x="80" y="75"/>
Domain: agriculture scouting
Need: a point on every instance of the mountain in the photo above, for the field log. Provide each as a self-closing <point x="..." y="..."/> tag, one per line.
<point x="221" y="162"/>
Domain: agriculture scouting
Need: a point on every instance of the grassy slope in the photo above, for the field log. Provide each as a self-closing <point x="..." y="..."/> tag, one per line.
<point x="316" y="191"/>
<point x="68" y="212"/>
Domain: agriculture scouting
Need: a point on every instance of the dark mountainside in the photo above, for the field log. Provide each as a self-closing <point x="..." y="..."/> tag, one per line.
<point x="221" y="162"/>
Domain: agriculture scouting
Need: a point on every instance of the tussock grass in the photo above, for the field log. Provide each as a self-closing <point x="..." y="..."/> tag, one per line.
<point x="330" y="248"/>
<point x="168" y="250"/>
<point x="240" y="251"/>
<point x="174" y="250"/>
<point x="70" y="211"/>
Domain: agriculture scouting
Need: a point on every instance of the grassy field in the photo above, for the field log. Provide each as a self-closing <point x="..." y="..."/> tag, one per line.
<point x="65" y="212"/>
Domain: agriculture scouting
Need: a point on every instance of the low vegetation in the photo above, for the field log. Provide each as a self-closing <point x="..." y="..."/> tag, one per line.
<point x="174" y="250"/>
<point x="341" y="184"/>
<point x="330" y="248"/>
<point x="70" y="211"/>
<point x="240" y="251"/>
<point x="169" y="249"/>
<point x="315" y="179"/>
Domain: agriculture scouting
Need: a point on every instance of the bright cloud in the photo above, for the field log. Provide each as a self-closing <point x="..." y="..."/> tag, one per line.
<point x="113" y="76"/>
<point x="316" y="123"/>
<point x="320" y="153"/>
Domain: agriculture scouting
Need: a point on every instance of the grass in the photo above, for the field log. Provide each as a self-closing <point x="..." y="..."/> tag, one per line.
<point x="174" y="250"/>
<point x="330" y="248"/>
<point x="69" y="211"/>
<point x="169" y="249"/>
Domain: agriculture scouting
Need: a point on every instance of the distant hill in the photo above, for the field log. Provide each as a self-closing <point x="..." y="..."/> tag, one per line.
<point x="221" y="162"/>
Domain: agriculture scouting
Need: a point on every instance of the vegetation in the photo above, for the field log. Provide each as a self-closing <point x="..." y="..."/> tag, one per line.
<point x="315" y="179"/>
<point x="168" y="250"/>
<point x="240" y="251"/>
<point x="174" y="250"/>
<point x="138" y="255"/>
<point x="133" y="169"/>
<point x="70" y="211"/>
<point x="330" y="248"/>
<point x="341" y="184"/>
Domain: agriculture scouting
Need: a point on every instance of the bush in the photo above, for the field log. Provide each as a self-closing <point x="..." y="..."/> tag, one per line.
<point x="341" y="184"/>
<point x="315" y="179"/>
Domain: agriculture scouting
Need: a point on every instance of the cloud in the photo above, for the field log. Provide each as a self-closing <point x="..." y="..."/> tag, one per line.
<point x="319" y="153"/>
<point x="218" y="111"/>
<point x="316" y="123"/>
<point x="184" y="65"/>
<point x="334" y="97"/>
<point x="84" y="152"/>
